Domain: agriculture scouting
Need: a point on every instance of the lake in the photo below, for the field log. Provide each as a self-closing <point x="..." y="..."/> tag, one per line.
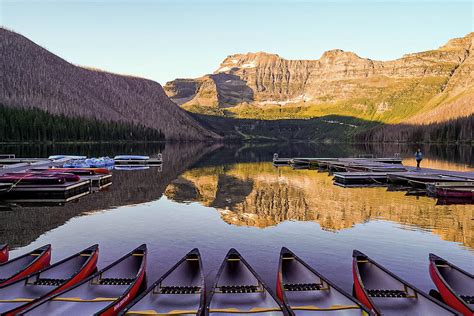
<point x="215" y="197"/>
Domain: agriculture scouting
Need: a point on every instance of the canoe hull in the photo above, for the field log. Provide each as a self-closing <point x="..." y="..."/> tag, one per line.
<point x="447" y="294"/>
<point x="186" y="281"/>
<point x="4" y="252"/>
<point x="43" y="260"/>
<point x="359" y="291"/>
<point x="89" y="268"/>
<point x="127" y="298"/>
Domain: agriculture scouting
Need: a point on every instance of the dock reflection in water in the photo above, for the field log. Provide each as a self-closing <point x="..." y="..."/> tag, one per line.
<point x="215" y="198"/>
<point x="260" y="195"/>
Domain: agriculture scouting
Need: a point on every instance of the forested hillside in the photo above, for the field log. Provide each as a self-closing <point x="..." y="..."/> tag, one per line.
<point x="34" y="77"/>
<point x="28" y="125"/>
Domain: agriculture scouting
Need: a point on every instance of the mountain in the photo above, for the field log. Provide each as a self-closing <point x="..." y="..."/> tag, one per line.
<point x="424" y="87"/>
<point x="34" y="77"/>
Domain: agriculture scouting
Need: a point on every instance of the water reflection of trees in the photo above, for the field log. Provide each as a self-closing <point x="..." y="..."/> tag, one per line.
<point x="245" y="194"/>
<point x="263" y="196"/>
<point x="22" y="225"/>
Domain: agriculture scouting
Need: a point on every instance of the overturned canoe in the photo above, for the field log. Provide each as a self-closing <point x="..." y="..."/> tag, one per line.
<point x="386" y="294"/>
<point x="455" y="285"/>
<point x="4" y="251"/>
<point x="307" y="292"/>
<point x="104" y="293"/>
<point x="179" y="291"/>
<point x="238" y="289"/>
<point x="24" y="265"/>
<point x="25" y="292"/>
<point x="131" y="157"/>
<point x="55" y="157"/>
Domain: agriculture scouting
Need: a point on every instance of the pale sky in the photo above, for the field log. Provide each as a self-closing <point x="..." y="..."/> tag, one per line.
<point x="164" y="40"/>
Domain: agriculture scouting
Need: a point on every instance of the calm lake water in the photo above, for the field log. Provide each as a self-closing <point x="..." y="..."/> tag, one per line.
<point x="216" y="197"/>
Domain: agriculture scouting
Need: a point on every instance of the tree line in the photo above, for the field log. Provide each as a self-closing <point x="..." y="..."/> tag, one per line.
<point x="459" y="130"/>
<point x="31" y="124"/>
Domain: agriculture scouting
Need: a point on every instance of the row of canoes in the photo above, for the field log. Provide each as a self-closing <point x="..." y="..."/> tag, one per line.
<point x="30" y="286"/>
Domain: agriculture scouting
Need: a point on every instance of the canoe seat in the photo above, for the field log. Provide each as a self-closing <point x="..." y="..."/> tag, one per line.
<point x="302" y="287"/>
<point x="467" y="298"/>
<point x="387" y="293"/>
<point x="239" y="289"/>
<point x="55" y="282"/>
<point x="180" y="289"/>
<point x="116" y="281"/>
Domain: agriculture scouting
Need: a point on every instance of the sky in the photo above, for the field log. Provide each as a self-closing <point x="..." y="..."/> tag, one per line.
<point x="168" y="39"/>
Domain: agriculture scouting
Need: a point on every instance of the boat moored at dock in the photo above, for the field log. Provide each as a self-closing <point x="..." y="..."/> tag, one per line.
<point x="4" y="252"/>
<point x="238" y="289"/>
<point x="25" y="292"/>
<point x="307" y="292"/>
<point x="19" y="267"/>
<point x="384" y="293"/>
<point x="455" y="285"/>
<point x="104" y="293"/>
<point x="179" y="291"/>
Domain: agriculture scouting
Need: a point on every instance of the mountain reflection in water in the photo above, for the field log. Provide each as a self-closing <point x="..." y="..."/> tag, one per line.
<point x="261" y="195"/>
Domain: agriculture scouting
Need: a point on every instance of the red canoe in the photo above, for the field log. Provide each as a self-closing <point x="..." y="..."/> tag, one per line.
<point x="24" y="265"/>
<point x="104" y="293"/>
<point x="4" y="250"/>
<point x="384" y="293"/>
<point x="181" y="291"/>
<point x="306" y="291"/>
<point x="25" y="292"/>
<point x="238" y="289"/>
<point x="455" y="285"/>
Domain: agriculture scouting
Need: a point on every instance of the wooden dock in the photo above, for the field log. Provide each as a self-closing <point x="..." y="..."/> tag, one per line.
<point x="385" y="171"/>
<point x="42" y="193"/>
<point x="412" y="177"/>
<point x="63" y="192"/>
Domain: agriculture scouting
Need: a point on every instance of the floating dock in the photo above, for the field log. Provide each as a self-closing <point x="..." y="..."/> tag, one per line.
<point x="64" y="192"/>
<point x="389" y="172"/>
<point x="46" y="193"/>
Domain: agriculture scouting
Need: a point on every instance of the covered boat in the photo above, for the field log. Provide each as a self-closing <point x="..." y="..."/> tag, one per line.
<point x="57" y="277"/>
<point x="30" y="178"/>
<point x="24" y="265"/>
<point x="307" y="292"/>
<point x="181" y="290"/>
<point x="77" y="171"/>
<point x="238" y="289"/>
<point x="104" y="293"/>
<point x="455" y="285"/>
<point x="68" y="177"/>
<point x="386" y="294"/>
<point x="4" y="251"/>
<point x="456" y="192"/>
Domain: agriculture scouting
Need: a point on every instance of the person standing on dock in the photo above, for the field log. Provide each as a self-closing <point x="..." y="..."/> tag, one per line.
<point x="418" y="157"/>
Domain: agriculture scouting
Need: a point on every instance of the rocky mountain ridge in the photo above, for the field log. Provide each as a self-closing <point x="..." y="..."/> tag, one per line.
<point x="420" y="87"/>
